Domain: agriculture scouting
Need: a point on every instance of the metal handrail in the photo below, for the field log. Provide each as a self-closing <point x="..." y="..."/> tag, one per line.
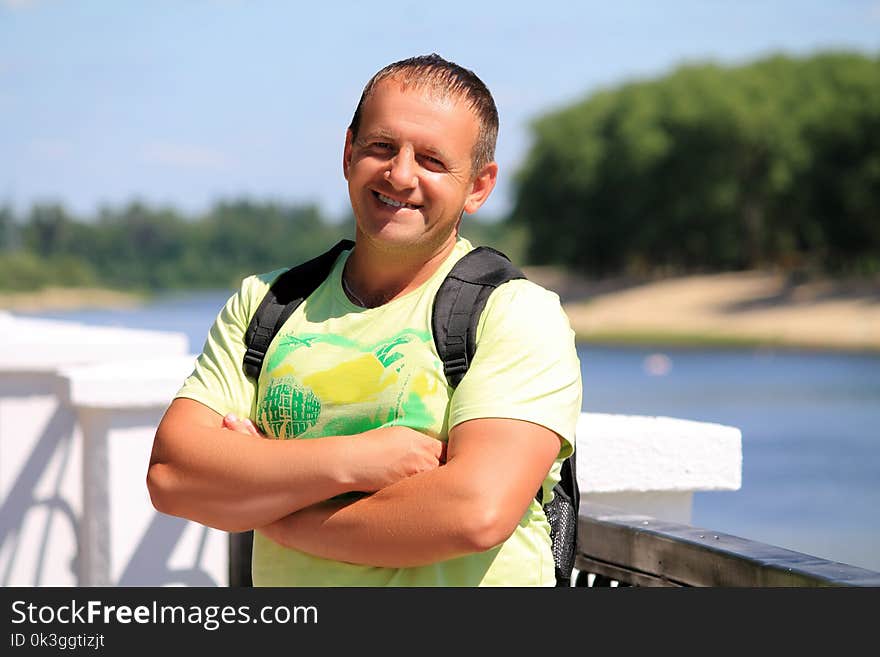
<point x="639" y="550"/>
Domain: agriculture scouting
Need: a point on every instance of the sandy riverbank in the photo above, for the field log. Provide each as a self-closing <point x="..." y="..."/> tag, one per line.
<point x="741" y="308"/>
<point x="732" y="308"/>
<point x="64" y="298"/>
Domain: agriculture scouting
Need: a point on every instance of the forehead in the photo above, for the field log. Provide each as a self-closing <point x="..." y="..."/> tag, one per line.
<point x="418" y="110"/>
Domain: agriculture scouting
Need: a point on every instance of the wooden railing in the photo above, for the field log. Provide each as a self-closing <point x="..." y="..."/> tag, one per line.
<point x="617" y="548"/>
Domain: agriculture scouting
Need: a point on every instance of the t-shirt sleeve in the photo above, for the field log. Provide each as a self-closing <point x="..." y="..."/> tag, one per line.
<point x="526" y="365"/>
<point x="218" y="380"/>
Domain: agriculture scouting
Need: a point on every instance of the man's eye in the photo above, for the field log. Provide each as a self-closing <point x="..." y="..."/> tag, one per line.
<point x="382" y="145"/>
<point x="434" y="163"/>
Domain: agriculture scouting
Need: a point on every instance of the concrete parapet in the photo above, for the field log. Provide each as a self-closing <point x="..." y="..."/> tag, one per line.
<point x="653" y="465"/>
<point x="53" y="423"/>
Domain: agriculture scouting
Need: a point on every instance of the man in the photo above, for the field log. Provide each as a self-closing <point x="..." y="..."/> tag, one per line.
<point x="385" y="476"/>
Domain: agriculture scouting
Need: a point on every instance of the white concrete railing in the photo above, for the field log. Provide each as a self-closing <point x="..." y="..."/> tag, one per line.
<point x="122" y="539"/>
<point x="78" y="410"/>
<point x="653" y="465"/>
<point x="76" y="426"/>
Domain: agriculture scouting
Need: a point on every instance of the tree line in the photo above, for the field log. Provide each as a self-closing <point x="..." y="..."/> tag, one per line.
<point x="771" y="164"/>
<point x="145" y="248"/>
<point x="774" y="163"/>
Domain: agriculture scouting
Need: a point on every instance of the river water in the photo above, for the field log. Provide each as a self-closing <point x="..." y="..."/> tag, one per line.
<point x="810" y="424"/>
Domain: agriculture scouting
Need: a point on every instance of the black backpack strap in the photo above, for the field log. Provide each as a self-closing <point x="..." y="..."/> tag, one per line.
<point x="287" y="292"/>
<point x="459" y="303"/>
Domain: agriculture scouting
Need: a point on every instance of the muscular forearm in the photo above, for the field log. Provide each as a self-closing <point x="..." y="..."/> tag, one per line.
<point x="470" y="504"/>
<point x="236" y="480"/>
<point x="430" y="517"/>
<point x="241" y="482"/>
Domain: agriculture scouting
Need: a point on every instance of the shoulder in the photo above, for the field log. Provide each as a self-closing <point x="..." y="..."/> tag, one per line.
<point x="524" y="303"/>
<point x="258" y="284"/>
<point x="526" y="364"/>
<point x="523" y="290"/>
<point x="252" y="290"/>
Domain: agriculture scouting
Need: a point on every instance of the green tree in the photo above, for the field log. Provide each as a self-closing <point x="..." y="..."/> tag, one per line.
<point x="9" y="237"/>
<point x="710" y="167"/>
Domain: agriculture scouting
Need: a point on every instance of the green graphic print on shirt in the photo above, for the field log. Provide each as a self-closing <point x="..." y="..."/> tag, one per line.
<point x="327" y="384"/>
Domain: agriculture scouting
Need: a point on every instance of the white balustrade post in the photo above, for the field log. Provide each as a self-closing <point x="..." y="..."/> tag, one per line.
<point x="119" y="406"/>
<point x="94" y="536"/>
<point x="653" y="465"/>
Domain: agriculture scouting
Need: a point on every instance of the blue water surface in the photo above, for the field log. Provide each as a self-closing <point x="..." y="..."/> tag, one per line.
<point x="810" y="424"/>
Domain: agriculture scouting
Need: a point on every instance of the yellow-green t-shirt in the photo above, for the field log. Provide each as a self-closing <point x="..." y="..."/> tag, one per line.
<point x="338" y="369"/>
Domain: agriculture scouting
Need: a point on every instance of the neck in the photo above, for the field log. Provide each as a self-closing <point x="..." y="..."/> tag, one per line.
<point x="374" y="277"/>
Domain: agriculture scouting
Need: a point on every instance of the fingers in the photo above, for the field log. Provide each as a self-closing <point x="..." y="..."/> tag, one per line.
<point x="234" y="423"/>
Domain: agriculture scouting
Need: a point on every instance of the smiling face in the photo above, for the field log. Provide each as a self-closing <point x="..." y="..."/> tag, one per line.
<point x="409" y="169"/>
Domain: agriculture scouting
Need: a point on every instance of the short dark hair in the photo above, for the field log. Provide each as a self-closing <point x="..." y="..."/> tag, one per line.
<point x="449" y="79"/>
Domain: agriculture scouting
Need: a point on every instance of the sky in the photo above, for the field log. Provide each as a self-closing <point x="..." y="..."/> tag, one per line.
<point x="183" y="103"/>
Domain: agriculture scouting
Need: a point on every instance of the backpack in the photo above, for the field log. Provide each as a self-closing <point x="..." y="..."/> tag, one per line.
<point x="459" y="302"/>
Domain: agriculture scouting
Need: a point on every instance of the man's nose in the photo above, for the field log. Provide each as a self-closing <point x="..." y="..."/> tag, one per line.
<point x="402" y="174"/>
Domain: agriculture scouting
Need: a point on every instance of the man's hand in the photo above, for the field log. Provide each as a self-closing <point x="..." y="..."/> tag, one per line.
<point x="384" y="455"/>
<point x="389" y="454"/>
<point x="245" y="426"/>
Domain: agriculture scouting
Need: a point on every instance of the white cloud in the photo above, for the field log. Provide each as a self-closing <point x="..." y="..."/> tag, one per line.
<point x="183" y="156"/>
<point x="50" y="150"/>
<point x="18" y="4"/>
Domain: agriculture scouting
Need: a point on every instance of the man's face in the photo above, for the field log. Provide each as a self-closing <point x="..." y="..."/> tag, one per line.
<point x="409" y="169"/>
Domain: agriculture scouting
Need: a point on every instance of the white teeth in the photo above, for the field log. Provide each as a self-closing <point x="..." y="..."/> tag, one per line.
<point x="392" y="202"/>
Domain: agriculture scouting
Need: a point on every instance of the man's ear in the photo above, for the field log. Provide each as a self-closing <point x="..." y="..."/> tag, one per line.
<point x="482" y="186"/>
<point x="346" y="153"/>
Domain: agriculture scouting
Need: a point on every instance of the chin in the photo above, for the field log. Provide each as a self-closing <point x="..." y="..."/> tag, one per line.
<point x="395" y="240"/>
<point x="393" y="230"/>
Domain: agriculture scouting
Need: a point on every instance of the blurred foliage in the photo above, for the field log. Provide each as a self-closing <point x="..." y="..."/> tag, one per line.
<point x="145" y="248"/>
<point x="775" y="163"/>
<point x="138" y="247"/>
<point x="771" y="164"/>
<point x="510" y="240"/>
<point x="21" y="271"/>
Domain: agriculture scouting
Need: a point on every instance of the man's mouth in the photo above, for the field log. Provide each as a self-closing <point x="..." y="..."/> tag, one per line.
<point x="395" y="204"/>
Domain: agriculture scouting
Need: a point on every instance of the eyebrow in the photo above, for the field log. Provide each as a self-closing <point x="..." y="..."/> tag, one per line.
<point x="387" y="135"/>
<point x="376" y="134"/>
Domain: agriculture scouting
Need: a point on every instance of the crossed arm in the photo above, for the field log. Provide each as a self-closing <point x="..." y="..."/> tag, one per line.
<point x="421" y="510"/>
<point x="236" y="481"/>
<point x="471" y="503"/>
